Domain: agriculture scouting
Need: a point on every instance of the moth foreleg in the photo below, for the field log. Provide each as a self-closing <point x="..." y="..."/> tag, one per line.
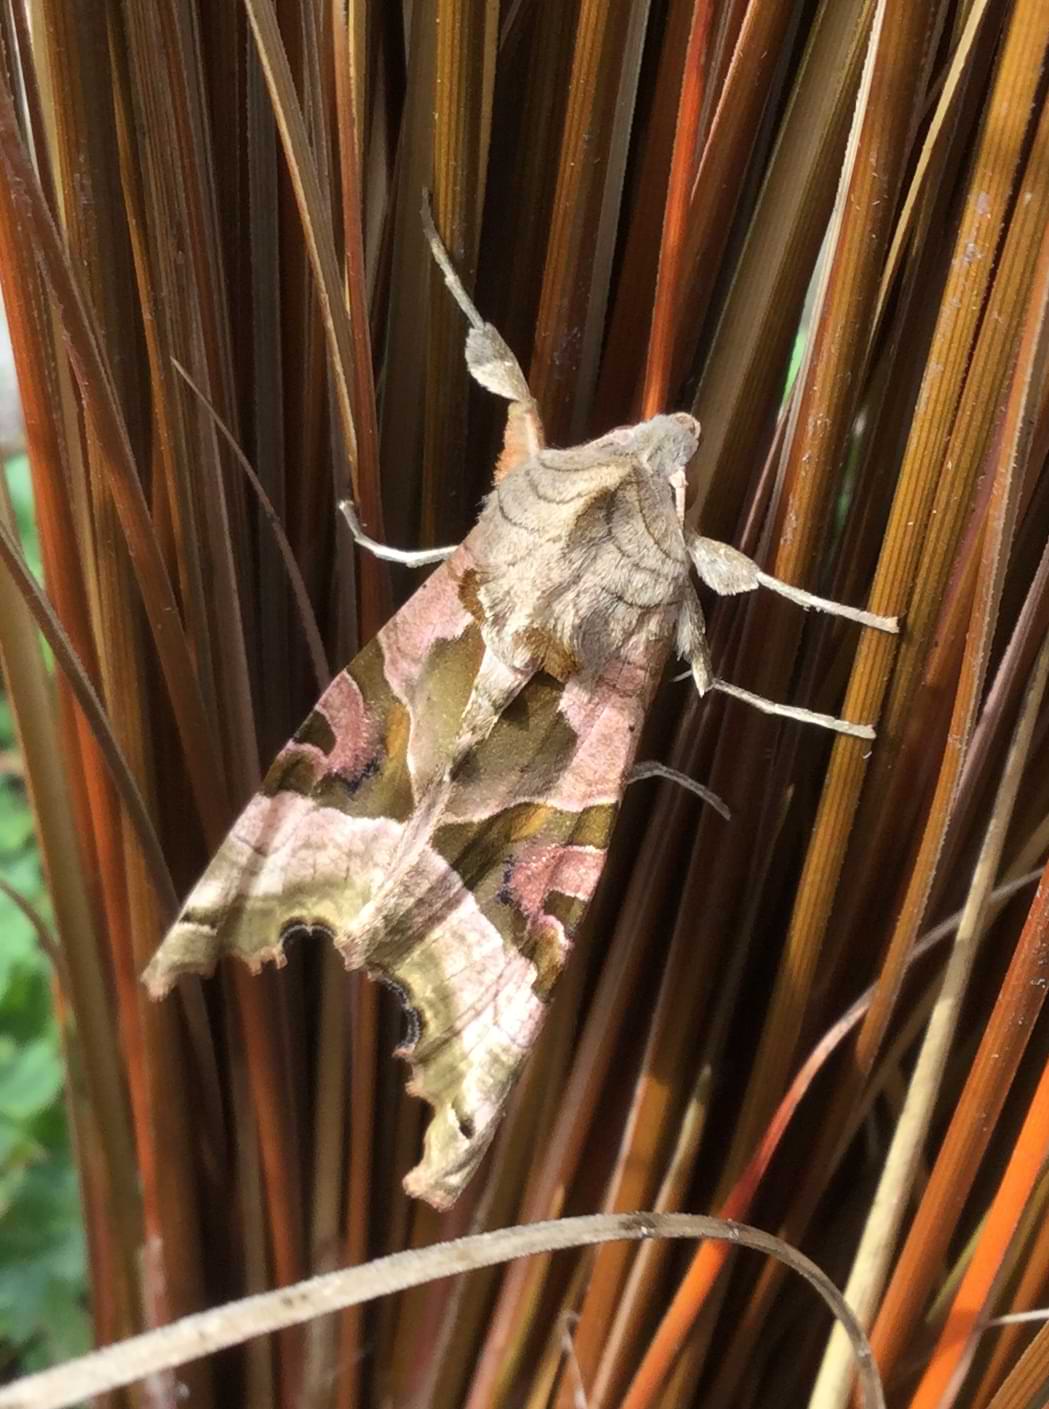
<point x="692" y="647"/>
<point x="641" y="771"/>
<point x="416" y="558"/>
<point x="492" y="363"/>
<point x="727" y="571"/>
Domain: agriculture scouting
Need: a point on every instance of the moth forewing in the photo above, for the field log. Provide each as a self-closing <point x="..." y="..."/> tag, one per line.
<point x="443" y="813"/>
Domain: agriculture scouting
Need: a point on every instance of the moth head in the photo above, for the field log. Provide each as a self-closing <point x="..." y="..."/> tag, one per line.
<point x="664" y="444"/>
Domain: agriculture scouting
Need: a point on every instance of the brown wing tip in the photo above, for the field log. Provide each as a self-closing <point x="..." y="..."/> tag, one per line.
<point x="192" y="948"/>
<point x="453" y="1147"/>
<point x="417" y="1184"/>
<point x="162" y="973"/>
<point x="450" y="1156"/>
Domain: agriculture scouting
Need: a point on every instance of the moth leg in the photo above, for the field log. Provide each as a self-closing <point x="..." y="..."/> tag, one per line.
<point x="492" y="364"/>
<point x="692" y="647"/>
<point x="727" y="571"/>
<point x="410" y="558"/>
<point x="691" y="644"/>
<point x="806" y="716"/>
<point x="671" y="775"/>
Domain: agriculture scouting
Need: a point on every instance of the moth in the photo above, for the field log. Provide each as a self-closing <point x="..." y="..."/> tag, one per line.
<point x="444" y="812"/>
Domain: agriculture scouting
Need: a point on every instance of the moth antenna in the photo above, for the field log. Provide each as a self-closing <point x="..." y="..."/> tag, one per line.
<point x="727" y="571"/>
<point x="410" y="558"/>
<point x="671" y="775"/>
<point x="490" y="360"/>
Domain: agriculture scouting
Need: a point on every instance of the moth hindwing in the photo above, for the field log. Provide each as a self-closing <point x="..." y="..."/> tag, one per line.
<point x="444" y="812"/>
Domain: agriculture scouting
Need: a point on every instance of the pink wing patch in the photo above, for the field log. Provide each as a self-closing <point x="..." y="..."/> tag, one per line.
<point x="356" y="734"/>
<point x="434" y="614"/>
<point x="539" y="869"/>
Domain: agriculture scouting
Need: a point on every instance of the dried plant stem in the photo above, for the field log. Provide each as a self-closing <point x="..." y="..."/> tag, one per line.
<point x="878" y="1244"/>
<point x="710" y="1259"/>
<point x="663" y="332"/>
<point x="971" y="1125"/>
<point x="232" y="1324"/>
<point x="952" y="1354"/>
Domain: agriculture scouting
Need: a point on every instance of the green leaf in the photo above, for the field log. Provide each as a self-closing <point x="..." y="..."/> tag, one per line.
<point x="30" y="1078"/>
<point x="16" y="821"/>
<point x="43" y="1316"/>
<point x="20" y="487"/>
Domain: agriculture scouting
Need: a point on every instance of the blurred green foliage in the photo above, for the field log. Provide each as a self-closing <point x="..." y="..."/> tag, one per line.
<point x="43" y="1316"/>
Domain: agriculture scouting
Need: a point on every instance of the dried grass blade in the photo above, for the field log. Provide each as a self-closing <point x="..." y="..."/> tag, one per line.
<point x="268" y="429"/>
<point x="1026" y="1381"/>
<point x="28" y="690"/>
<point x="663" y="330"/>
<point x="1026" y="1301"/>
<point x="975" y="1113"/>
<point x="313" y="212"/>
<point x="696" y="993"/>
<point x="650" y="1265"/>
<point x="895" y="1190"/>
<point x="349" y="94"/>
<point x="932" y="154"/>
<point x="743" y="377"/>
<point x="709" y="1260"/>
<point x="203" y="764"/>
<point x="347" y="348"/>
<point x="1013" y="448"/>
<point x="307" y="617"/>
<point x="901" y="554"/>
<point x="942" y="1381"/>
<point x="176" y="495"/>
<point x="823" y="409"/>
<point x="79" y="682"/>
<point x="637" y="261"/>
<point x="1013" y="669"/>
<point x="316" y="227"/>
<point x="727" y="153"/>
<point x="404" y="365"/>
<point x="466" y="35"/>
<point x="979" y="357"/>
<point x="570" y="322"/>
<point x="290" y="1306"/>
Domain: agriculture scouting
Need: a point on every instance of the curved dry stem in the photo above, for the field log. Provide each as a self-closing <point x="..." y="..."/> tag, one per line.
<point x="238" y="1321"/>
